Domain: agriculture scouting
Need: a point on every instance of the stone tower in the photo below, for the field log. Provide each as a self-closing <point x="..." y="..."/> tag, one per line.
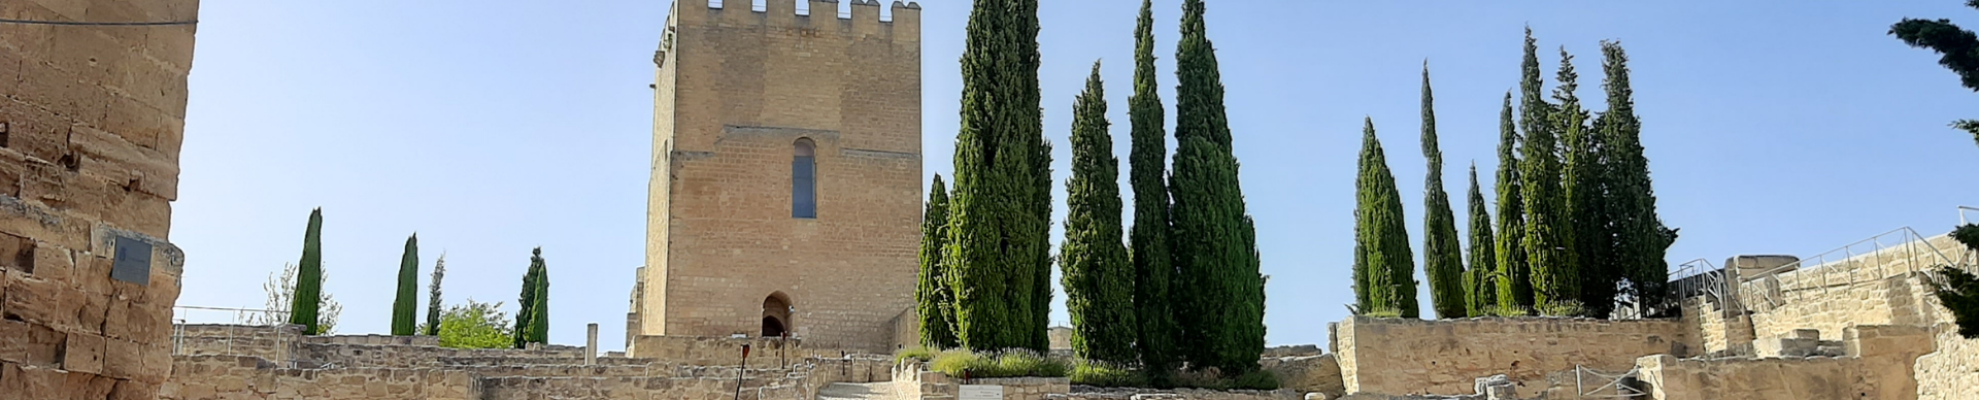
<point x="786" y="181"/>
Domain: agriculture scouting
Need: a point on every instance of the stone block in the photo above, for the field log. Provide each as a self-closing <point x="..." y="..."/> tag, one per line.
<point x="137" y="321"/>
<point x="37" y="382"/>
<point x="142" y="169"/>
<point x="172" y="45"/>
<point x="51" y="261"/>
<point x="87" y="386"/>
<point x="91" y="314"/>
<point x="83" y="353"/>
<point x="41" y="301"/>
<point x="133" y="390"/>
<point x="61" y="93"/>
<point x="136" y="121"/>
<point x="29" y="344"/>
<point x="88" y="53"/>
<point x="35" y="129"/>
<point x="122" y="359"/>
<point x="17" y="253"/>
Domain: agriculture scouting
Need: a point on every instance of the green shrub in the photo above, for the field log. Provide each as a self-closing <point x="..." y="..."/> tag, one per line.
<point x="1256" y="380"/>
<point x="1012" y="363"/>
<point x="918" y="353"/>
<point x="1093" y="373"/>
<point x="1957" y="293"/>
<point x="1210" y="379"/>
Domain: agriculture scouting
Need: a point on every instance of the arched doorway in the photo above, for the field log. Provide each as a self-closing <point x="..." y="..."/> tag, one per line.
<point x="776" y="315"/>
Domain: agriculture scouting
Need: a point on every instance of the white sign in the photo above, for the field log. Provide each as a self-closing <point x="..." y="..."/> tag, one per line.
<point x="981" y="392"/>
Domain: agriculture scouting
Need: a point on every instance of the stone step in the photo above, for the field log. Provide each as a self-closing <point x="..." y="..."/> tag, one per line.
<point x="857" y="391"/>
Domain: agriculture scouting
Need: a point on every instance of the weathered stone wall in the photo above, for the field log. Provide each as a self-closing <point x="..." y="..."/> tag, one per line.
<point x="1321" y="373"/>
<point x="690" y="350"/>
<point x="734" y="91"/>
<point x="1953" y="371"/>
<point x="239" y="377"/>
<point x="1719" y="333"/>
<point x="1876" y="366"/>
<point x="1089" y="393"/>
<point x="1402" y="356"/>
<point x="91" y="120"/>
<point x="274" y="343"/>
<point x="1886" y="287"/>
<point x="912" y="380"/>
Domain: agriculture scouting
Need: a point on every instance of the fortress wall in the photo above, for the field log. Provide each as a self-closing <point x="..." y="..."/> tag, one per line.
<point x="1877" y="367"/>
<point x="1402" y="356"/>
<point x="1952" y="372"/>
<point x="1887" y="287"/>
<point x="91" y="122"/>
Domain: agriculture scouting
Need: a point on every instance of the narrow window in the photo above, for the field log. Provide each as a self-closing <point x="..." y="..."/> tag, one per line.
<point x="804" y="181"/>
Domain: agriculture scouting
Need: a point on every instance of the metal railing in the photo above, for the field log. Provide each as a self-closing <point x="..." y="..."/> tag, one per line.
<point x="1898" y="251"/>
<point x="1616" y="386"/>
<point x="1699" y="278"/>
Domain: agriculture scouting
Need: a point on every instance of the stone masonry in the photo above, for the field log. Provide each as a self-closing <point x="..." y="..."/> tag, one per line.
<point x="736" y="93"/>
<point x="91" y="121"/>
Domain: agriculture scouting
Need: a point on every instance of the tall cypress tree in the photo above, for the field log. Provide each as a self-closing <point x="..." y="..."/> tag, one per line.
<point x="1514" y="277"/>
<point x="433" y="296"/>
<point x="1097" y="274"/>
<point x="1214" y="240"/>
<point x="1480" y="289"/>
<point x="1547" y="231"/>
<point x="1582" y="174"/>
<point x="405" y="306"/>
<point x="533" y="319"/>
<point x="1381" y="233"/>
<point x="1640" y="235"/>
<point x="934" y="301"/>
<point x="1443" y="261"/>
<point x="1000" y="211"/>
<point x="1153" y="270"/>
<point x="309" y="277"/>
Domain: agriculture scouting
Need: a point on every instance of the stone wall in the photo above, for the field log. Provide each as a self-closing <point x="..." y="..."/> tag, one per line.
<point x="91" y="121"/>
<point x="1719" y="333"/>
<point x="1953" y="371"/>
<point x="1886" y="287"/>
<point x="735" y="90"/>
<point x="274" y="343"/>
<point x="1876" y="366"/>
<point x="1089" y="393"/>
<point x="1321" y="373"/>
<point x="244" y="378"/>
<point x="1402" y="356"/>
<point x="692" y="350"/>
<point x="912" y="380"/>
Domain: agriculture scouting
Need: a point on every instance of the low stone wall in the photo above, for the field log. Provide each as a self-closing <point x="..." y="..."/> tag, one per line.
<point x="1875" y="367"/>
<point x="1403" y="356"/>
<point x="1902" y="299"/>
<point x="1317" y="374"/>
<point x="275" y="343"/>
<point x="695" y="350"/>
<point x="251" y="378"/>
<point x="1719" y="333"/>
<point x="1092" y="393"/>
<point x="913" y="381"/>
<point x="408" y="356"/>
<point x="1953" y="371"/>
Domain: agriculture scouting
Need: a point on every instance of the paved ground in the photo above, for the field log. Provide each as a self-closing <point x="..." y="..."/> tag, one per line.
<point x="857" y="391"/>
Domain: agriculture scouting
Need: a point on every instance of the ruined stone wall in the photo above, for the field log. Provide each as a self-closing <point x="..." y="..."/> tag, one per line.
<point x="1318" y="373"/>
<point x="1952" y="372"/>
<point x="245" y="378"/>
<point x="273" y="343"/>
<point x="692" y="350"/>
<point x="1886" y="287"/>
<point x="912" y="380"/>
<point x="1190" y="394"/>
<point x="91" y="121"/>
<point x="1876" y="366"/>
<point x="1718" y="333"/>
<point x="735" y="90"/>
<point x="1402" y="356"/>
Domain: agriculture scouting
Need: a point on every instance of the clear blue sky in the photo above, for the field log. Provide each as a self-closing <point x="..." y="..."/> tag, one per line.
<point x="493" y="127"/>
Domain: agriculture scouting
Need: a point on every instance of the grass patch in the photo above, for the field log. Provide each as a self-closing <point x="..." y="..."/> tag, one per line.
<point x="1007" y="364"/>
<point x="921" y="354"/>
<point x="1100" y="374"/>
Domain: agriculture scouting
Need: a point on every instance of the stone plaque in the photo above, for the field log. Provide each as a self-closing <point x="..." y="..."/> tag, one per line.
<point x="981" y="392"/>
<point x="133" y="261"/>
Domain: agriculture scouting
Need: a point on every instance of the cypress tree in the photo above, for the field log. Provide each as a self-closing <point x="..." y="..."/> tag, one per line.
<point x="1154" y="309"/>
<point x="1000" y="208"/>
<point x="1640" y="236"/>
<point x="1514" y="284"/>
<point x="433" y="296"/>
<point x="405" y="307"/>
<point x="532" y="319"/>
<point x="1443" y="261"/>
<point x="309" y="277"/>
<point x="934" y="302"/>
<point x="1381" y="233"/>
<point x="1548" y="250"/>
<point x="1582" y="174"/>
<point x="1480" y="289"/>
<point x="1214" y="240"/>
<point x="1097" y="274"/>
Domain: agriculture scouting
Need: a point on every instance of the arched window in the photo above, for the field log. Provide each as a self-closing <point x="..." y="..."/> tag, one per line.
<point x="804" y="180"/>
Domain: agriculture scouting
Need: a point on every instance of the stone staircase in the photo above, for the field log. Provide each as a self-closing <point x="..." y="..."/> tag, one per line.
<point x="858" y="391"/>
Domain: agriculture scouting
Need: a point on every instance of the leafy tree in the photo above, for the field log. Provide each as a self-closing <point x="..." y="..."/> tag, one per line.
<point x="1639" y="235"/>
<point x="1958" y="49"/>
<point x="432" y="325"/>
<point x="934" y="301"/>
<point x="281" y="291"/>
<point x="1480" y="289"/>
<point x="1149" y="239"/>
<point x="1380" y="235"/>
<point x="1213" y="237"/>
<point x="1098" y="276"/>
<point x="533" y="318"/>
<point x="1514" y="277"/>
<point x="1443" y="261"/>
<point x="1000" y="211"/>
<point x="475" y="325"/>
<point x="1548" y="229"/>
<point x="309" y="280"/>
<point x="405" y="307"/>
